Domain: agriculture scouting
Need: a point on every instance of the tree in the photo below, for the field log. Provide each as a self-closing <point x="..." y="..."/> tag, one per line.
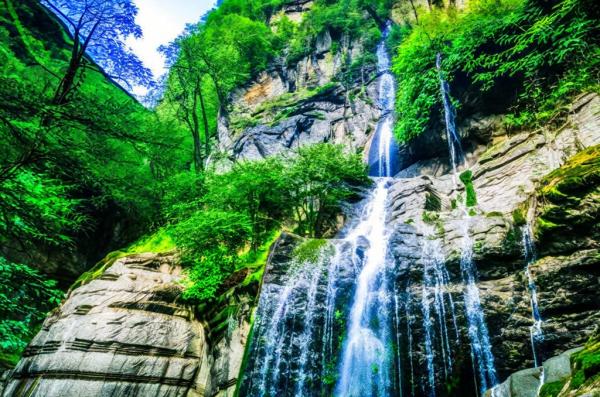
<point x="98" y="28"/>
<point x="210" y="240"/>
<point x="256" y="189"/>
<point x="186" y="92"/>
<point x="320" y="178"/>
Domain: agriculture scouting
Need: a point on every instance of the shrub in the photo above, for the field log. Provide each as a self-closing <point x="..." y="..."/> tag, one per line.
<point x="466" y="178"/>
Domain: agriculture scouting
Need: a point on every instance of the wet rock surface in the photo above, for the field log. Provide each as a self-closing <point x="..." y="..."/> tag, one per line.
<point x="507" y="177"/>
<point x="426" y="228"/>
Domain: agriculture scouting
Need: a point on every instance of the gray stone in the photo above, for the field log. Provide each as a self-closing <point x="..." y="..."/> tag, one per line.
<point x="559" y="367"/>
<point x="126" y="333"/>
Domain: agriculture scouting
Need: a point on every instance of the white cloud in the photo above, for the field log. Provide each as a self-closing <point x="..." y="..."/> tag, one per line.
<point x="161" y="22"/>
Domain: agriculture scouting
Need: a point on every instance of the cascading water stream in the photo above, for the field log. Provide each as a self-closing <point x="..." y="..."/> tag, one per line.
<point x="530" y="257"/>
<point x="481" y="348"/>
<point x="383" y="155"/>
<point x="299" y="310"/>
<point x="435" y="294"/>
<point x="285" y="329"/>
<point x="366" y="363"/>
<point x="454" y="144"/>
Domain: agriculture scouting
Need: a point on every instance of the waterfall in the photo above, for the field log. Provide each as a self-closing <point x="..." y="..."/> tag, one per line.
<point x="300" y="317"/>
<point x="481" y="348"/>
<point x="383" y="155"/>
<point x="435" y="294"/>
<point x="409" y="325"/>
<point x="286" y="326"/>
<point x="366" y="360"/>
<point x="365" y="365"/>
<point x="454" y="145"/>
<point x="536" y="334"/>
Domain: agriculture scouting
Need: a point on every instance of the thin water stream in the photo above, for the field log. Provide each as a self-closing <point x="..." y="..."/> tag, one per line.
<point x="481" y="348"/>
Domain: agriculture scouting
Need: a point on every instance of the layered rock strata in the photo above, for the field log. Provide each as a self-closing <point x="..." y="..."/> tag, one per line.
<point x="126" y="333"/>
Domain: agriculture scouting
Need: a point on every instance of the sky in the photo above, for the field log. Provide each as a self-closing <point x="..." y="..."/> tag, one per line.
<point x="161" y="22"/>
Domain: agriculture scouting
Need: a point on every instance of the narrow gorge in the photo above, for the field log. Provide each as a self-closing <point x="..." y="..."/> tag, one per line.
<point x="466" y="263"/>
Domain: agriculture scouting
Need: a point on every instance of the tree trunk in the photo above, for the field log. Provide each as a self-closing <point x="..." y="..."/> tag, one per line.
<point x="412" y="4"/>
<point x="205" y="120"/>
<point x="198" y="165"/>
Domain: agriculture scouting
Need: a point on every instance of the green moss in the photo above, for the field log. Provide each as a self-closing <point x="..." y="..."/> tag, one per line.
<point x="309" y="250"/>
<point x="580" y="173"/>
<point x="544" y="226"/>
<point x="467" y="179"/>
<point x="439" y="229"/>
<point x="274" y="110"/>
<point x="512" y="241"/>
<point x="519" y="217"/>
<point x="159" y="242"/>
<point x="98" y="269"/>
<point x="8" y="360"/>
<point x="577" y="380"/>
<point x="552" y="389"/>
<point x="433" y="202"/>
<point x="430" y="217"/>
<point x="586" y="362"/>
<point x="494" y="214"/>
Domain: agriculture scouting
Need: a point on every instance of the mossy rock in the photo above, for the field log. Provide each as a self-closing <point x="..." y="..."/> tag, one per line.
<point x="309" y="251"/>
<point x="467" y="179"/>
<point x="569" y="199"/>
<point x="552" y="389"/>
<point x="587" y="361"/>
<point x="579" y="174"/>
<point x="158" y="242"/>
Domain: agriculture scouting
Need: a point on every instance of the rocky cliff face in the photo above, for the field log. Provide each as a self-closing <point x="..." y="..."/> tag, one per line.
<point x="512" y="175"/>
<point x="508" y="178"/>
<point x="322" y="98"/>
<point x="125" y="333"/>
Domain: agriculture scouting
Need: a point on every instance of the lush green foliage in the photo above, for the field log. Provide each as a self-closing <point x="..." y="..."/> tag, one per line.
<point x="339" y="18"/>
<point x="62" y="164"/>
<point x="543" y="51"/>
<point x="321" y="177"/>
<point x="552" y="389"/>
<point x="25" y="299"/>
<point x="239" y="210"/>
<point x="70" y="168"/>
<point x="210" y="240"/>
